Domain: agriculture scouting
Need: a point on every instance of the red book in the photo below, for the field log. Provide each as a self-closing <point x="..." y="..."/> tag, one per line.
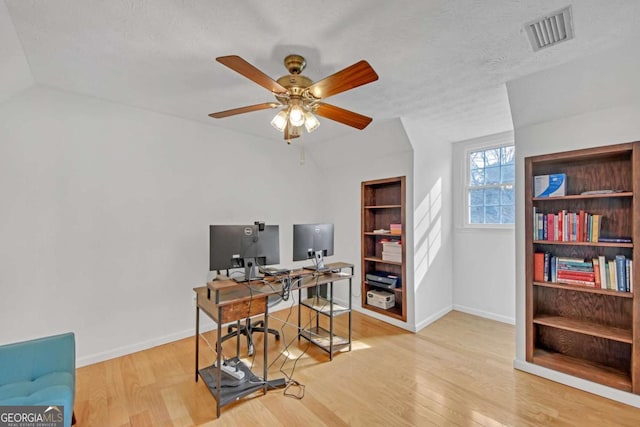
<point x="538" y="267"/>
<point x="561" y="226"/>
<point x="577" y="282"/>
<point x="579" y="275"/>
<point x="550" y="230"/>
<point x="581" y="226"/>
<point x="596" y="272"/>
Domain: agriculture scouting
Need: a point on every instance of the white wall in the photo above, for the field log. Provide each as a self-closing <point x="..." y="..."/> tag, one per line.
<point x="484" y="282"/>
<point x="15" y="74"/>
<point x="432" y="223"/>
<point x="106" y="211"/>
<point x="609" y="81"/>
<point x="381" y="151"/>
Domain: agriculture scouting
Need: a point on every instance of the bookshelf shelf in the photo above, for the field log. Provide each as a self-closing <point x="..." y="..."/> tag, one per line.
<point x="383" y="207"/>
<point x="584" y="196"/>
<point x="382" y="204"/>
<point x="387" y="235"/>
<point x="578" y="288"/>
<point x="381" y="261"/>
<point x="585" y="331"/>
<point x="585" y="327"/>
<point x="577" y="367"/>
<point x="595" y="244"/>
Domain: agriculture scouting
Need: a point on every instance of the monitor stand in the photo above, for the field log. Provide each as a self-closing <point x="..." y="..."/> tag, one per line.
<point x="319" y="262"/>
<point x="250" y="271"/>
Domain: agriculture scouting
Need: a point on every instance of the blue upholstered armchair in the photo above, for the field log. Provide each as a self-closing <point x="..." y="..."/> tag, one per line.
<point x="40" y="372"/>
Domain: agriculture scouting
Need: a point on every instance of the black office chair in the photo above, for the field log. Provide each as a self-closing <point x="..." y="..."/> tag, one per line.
<point x="249" y="328"/>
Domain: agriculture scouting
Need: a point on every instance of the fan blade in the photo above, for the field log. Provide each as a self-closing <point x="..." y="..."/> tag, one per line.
<point x="356" y="75"/>
<point x="241" y="66"/>
<point x="247" y="109"/>
<point x="341" y="115"/>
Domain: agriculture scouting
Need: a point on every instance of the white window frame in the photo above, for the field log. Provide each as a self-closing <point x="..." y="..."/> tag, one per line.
<point x="481" y="144"/>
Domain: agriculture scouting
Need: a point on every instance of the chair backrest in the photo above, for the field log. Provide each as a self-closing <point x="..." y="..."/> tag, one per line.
<point x="24" y="361"/>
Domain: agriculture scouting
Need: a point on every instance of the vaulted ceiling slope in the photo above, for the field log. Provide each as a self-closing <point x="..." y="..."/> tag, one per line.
<point x="441" y="60"/>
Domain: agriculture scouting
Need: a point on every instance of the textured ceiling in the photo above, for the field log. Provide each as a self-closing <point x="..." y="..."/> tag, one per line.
<point x="443" y="61"/>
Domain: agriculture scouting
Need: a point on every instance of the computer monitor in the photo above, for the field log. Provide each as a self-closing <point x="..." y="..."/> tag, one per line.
<point x="243" y="246"/>
<point x="312" y="241"/>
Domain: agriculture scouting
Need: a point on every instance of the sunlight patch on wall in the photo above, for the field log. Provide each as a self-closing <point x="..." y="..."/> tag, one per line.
<point x="427" y="231"/>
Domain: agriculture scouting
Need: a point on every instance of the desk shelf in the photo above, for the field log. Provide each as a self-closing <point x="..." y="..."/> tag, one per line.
<point x="229" y="394"/>
<point x="325" y="306"/>
<point x="327" y="341"/>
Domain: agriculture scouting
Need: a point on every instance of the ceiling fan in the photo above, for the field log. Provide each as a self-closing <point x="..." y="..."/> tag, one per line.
<point x="299" y="98"/>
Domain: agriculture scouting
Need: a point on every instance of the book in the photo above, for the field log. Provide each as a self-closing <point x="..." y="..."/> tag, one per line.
<point x="577" y="282"/>
<point x="386" y="256"/>
<point x="621" y="273"/>
<point x="596" y="272"/>
<point x="613" y="279"/>
<point x="603" y="272"/>
<point x="547" y="266"/>
<point x="538" y="267"/>
<point x="593" y="192"/>
<point x="395" y="228"/>
<point x="614" y="239"/>
<point x="392" y="247"/>
<point x="579" y="275"/>
<point x="595" y="231"/>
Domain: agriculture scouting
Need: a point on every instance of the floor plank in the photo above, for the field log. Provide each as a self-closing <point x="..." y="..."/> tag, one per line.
<point x="458" y="371"/>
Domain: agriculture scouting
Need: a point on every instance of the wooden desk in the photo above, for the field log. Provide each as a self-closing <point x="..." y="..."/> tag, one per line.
<point x="226" y="301"/>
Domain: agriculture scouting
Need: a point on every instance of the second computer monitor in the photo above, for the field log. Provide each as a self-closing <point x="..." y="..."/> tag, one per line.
<point x="312" y="241"/>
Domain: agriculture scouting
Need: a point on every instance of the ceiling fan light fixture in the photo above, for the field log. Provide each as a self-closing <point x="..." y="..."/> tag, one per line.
<point x="280" y="120"/>
<point x="311" y="122"/>
<point x="298" y="97"/>
<point x="296" y="114"/>
<point x="294" y="131"/>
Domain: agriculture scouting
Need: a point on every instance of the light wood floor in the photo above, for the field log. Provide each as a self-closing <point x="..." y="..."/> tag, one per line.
<point x="457" y="371"/>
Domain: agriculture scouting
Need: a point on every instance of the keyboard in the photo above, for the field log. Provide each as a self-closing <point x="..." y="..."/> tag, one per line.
<point x="273" y="271"/>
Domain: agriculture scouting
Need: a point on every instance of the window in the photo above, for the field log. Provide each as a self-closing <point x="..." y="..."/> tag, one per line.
<point x="490" y="191"/>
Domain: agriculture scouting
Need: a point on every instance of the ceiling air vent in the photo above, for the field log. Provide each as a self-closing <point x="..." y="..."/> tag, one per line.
<point x="550" y="30"/>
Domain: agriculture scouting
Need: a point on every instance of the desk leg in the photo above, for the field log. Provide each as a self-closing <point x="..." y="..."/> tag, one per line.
<point x="218" y="363"/>
<point x="238" y="338"/>
<point x="299" y="311"/>
<point x="350" y="309"/>
<point x="266" y="341"/>
<point x="330" y="321"/>
<point x="197" y="339"/>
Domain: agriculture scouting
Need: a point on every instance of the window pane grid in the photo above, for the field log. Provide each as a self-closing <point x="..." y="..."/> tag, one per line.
<point x="490" y="191"/>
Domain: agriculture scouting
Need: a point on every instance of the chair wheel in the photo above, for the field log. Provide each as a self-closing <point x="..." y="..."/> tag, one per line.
<point x="229" y="329"/>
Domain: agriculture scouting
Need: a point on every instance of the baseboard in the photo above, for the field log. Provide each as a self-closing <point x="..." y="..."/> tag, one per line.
<point x="128" y="349"/>
<point x="584" y="385"/>
<point x="429" y="320"/>
<point x="485" y="314"/>
<point x="205" y="326"/>
<point x="390" y="320"/>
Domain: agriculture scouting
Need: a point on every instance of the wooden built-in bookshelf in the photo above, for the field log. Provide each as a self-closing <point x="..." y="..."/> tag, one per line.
<point x="383" y="203"/>
<point x="586" y="331"/>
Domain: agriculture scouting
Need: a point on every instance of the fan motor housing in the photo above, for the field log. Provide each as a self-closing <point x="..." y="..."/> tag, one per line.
<point x="296" y="84"/>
